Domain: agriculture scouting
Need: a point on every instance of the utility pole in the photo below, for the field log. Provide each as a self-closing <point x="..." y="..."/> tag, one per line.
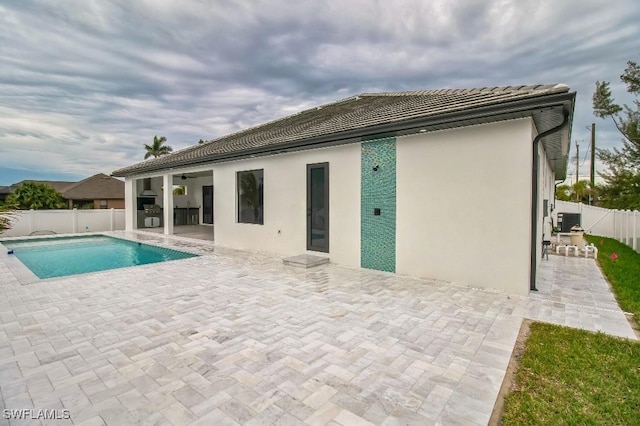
<point x="577" y="168"/>
<point x="593" y="162"/>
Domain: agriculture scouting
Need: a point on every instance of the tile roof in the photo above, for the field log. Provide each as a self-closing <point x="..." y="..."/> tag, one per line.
<point x="361" y="112"/>
<point x="99" y="186"/>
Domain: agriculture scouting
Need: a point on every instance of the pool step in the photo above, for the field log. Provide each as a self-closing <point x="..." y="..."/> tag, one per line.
<point x="305" y="261"/>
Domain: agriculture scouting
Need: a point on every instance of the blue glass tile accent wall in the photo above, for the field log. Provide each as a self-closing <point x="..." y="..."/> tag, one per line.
<point x="378" y="205"/>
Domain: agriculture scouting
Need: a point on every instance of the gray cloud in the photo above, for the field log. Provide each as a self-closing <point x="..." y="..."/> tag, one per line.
<point x="84" y="83"/>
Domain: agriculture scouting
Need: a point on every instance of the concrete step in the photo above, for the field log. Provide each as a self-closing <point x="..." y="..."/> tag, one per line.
<point x="305" y="261"/>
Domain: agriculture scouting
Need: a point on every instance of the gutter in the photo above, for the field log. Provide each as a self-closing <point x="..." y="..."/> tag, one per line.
<point x="522" y="106"/>
<point x="534" y="198"/>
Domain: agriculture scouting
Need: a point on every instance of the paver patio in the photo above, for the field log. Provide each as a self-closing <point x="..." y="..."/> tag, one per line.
<point x="235" y="337"/>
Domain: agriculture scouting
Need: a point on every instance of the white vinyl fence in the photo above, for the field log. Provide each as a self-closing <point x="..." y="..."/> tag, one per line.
<point x="623" y="225"/>
<point x="26" y="222"/>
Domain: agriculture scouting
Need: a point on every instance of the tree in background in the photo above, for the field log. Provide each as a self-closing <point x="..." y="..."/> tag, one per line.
<point x="37" y="196"/>
<point x="621" y="189"/>
<point x="158" y="148"/>
<point x="579" y="192"/>
<point x="563" y="193"/>
<point x="200" y="141"/>
<point x="6" y="216"/>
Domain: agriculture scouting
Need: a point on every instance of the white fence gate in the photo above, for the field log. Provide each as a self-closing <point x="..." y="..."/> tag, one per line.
<point x="26" y="222"/>
<point x="622" y="225"/>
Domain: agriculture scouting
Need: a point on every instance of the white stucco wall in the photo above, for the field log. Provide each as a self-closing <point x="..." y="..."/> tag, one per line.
<point x="463" y="206"/>
<point x="285" y="198"/>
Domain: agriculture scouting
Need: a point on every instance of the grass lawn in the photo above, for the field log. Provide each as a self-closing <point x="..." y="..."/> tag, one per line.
<point x="623" y="273"/>
<point x="569" y="376"/>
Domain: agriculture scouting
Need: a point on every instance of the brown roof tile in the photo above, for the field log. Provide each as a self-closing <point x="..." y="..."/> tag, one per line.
<point x="98" y="186"/>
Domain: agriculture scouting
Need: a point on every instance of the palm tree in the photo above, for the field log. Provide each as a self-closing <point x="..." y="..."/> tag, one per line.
<point x="582" y="190"/>
<point x="157" y="148"/>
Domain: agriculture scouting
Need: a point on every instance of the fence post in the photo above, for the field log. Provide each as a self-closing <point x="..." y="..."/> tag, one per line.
<point x="30" y="221"/>
<point x="112" y="219"/>
<point x="626" y="231"/>
<point x="628" y="234"/>
<point x="620" y="225"/>
<point x="635" y="243"/>
<point x="75" y="220"/>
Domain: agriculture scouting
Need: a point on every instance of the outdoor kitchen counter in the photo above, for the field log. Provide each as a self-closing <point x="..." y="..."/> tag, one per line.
<point x="186" y="215"/>
<point x="141" y="216"/>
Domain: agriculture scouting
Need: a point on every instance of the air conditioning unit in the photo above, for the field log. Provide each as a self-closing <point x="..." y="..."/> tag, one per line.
<point x="567" y="220"/>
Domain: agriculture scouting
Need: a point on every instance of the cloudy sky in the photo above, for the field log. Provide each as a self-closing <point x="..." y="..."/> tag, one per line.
<point x="85" y="83"/>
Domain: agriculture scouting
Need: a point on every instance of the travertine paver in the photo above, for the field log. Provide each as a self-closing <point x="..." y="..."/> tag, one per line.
<point x="237" y="337"/>
<point x="573" y="292"/>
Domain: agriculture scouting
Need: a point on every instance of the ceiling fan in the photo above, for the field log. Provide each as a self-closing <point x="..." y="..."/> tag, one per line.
<point x="185" y="177"/>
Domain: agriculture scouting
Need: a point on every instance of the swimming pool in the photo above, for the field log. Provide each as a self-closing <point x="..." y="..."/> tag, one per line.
<point x="59" y="257"/>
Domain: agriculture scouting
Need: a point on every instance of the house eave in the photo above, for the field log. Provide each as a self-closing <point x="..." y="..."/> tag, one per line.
<point x="552" y="104"/>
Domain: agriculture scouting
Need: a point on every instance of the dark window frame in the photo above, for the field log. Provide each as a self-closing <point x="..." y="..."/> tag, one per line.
<point x="310" y="246"/>
<point x="259" y="209"/>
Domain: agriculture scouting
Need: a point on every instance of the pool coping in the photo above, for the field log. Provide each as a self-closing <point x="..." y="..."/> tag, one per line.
<point x="25" y="276"/>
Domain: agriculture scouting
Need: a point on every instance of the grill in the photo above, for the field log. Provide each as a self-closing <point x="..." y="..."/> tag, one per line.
<point x="152" y="215"/>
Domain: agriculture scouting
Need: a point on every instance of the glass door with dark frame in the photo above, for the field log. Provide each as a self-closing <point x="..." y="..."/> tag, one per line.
<point x="318" y="207"/>
<point x="207" y="204"/>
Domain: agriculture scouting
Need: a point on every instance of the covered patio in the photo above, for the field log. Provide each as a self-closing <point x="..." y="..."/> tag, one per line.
<point x="190" y="199"/>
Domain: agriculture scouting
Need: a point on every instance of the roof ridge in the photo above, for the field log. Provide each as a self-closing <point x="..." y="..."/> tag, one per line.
<point x="537" y="87"/>
<point x="76" y="184"/>
<point x="315" y="108"/>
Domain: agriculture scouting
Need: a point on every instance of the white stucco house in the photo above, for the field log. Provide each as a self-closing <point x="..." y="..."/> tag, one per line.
<point x="444" y="184"/>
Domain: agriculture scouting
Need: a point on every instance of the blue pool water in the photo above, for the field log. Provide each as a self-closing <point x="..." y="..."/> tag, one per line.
<point x="59" y="257"/>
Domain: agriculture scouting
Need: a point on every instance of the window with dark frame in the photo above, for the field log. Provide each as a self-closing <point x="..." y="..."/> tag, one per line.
<point x="103" y="204"/>
<point x="250" y="191"/>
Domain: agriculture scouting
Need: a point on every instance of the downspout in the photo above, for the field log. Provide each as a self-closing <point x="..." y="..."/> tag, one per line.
<point x="534" y="199"/>
<point x="555" y="201"/>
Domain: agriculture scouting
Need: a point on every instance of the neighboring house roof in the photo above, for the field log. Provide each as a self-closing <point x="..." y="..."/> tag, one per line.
<point x="5" y="190"/>
<point x="58" y="185"/>
<point x="100" y="186"/>
<point x="371" y="115"/>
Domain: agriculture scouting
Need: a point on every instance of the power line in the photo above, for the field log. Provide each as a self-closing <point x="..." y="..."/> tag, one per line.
<point x="585" y="155"/>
